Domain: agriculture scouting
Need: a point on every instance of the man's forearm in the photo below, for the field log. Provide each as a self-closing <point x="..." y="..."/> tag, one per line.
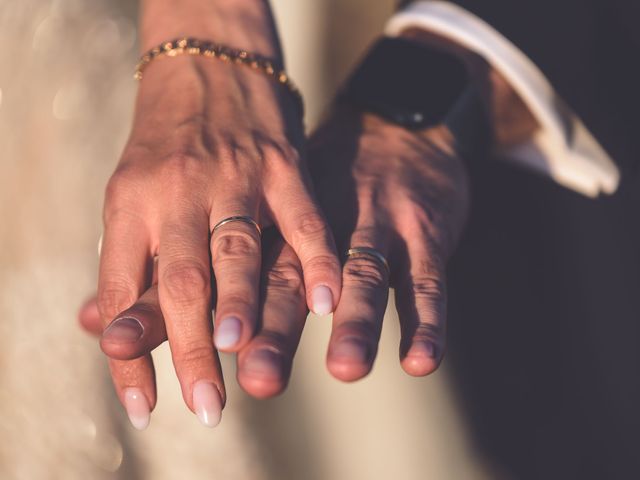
<point x="245" y="24"/>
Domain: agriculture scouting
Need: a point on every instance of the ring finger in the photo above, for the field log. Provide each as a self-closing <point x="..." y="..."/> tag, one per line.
<point x="357" y="320"/>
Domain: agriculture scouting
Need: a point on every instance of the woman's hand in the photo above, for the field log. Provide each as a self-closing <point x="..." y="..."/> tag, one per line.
<point x="210" y="140"/>
<point x="405" y="195"/>
<point x="264" y="364"/>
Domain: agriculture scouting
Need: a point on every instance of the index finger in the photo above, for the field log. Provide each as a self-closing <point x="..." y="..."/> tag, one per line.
<point x="304" y="227"/>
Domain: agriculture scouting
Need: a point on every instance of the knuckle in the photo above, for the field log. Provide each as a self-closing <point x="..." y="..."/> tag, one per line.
<point x="364" y="272"/>
<point x="235" y="244"/>
<point x="278" y="342"/>
<point x="186" y="281"/>
<point x="428" y="287"/>
<point x="193" y="352"/>
<point x="143" y="309"/>
<point x="428" y="331"/>
<point x="239" y="302"/>
<point x="285" y="276"/>
<point x="311" y="227"/>
<point x="322" y="263"/>
<point x="430" y="298"/>
<point x="114" y="297"/>
<point x="280" y="153"/>
<point x="363" y="329"/>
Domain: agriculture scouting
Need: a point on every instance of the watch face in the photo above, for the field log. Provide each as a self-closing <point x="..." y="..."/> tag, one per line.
<point x="407" y="83"/>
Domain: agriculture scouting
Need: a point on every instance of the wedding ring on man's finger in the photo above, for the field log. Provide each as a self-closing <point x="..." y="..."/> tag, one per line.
<point x="355" y="252"/>
<point x="100" y="245"/>
<point x="237" y="218"/>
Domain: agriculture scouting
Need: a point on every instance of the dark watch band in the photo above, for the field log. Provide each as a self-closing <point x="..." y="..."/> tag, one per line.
<point x="469" y="123"/>
<point x="407" y="83"/>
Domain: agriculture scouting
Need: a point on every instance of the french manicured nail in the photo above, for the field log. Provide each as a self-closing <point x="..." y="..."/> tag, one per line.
<point x="207" y="403"/>
<point x="227" y="334"/>
<point x="422" y="349"/>
<point x="322" y="300"/>
<point x="123" y="330"/>
<point x="137" y="406"/>
<point x="263" y="363"/>
<point x="350" y="349"/>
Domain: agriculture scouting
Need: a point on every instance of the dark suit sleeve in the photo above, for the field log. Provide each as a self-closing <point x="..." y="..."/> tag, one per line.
<point x="588" y="49"/>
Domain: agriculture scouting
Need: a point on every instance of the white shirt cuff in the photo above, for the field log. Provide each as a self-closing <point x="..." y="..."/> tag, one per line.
<point x="562" y="148"/>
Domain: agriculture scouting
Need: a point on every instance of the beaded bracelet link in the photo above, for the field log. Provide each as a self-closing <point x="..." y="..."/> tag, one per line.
<point x="194" y="46"/>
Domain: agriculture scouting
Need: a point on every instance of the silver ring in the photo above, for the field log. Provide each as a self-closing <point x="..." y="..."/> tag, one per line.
<point x="369" y="252"/>
<point x="238" y="218"/>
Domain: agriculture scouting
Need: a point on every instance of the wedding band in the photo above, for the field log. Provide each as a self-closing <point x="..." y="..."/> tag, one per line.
<point x="238" y="218"/>
<point x="369" y="252"/>
<point x="100" y="245"/>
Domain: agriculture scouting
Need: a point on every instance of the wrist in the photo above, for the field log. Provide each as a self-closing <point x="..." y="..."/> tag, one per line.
<point x="242" y="24"/>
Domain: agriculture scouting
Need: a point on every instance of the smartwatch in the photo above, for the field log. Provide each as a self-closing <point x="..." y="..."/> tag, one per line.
<point x="407" y="83"/>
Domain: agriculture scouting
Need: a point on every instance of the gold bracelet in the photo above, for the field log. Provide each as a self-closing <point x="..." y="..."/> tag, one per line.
<point x="193" y="46"/>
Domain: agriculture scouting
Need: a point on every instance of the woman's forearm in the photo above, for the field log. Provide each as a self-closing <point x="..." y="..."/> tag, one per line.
<point x="244" y="24"/>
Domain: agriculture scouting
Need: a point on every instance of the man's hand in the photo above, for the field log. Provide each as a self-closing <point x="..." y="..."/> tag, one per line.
<point x="405" y="195"/>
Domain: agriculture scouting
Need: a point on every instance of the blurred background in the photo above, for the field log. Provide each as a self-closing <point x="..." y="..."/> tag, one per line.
<point x="66" y="94"/>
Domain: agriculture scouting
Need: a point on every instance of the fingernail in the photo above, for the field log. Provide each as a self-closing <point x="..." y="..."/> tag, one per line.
<point x="351" y="349"/>
<point x="227" y="334"/>
<point x="422" y="349"/>
<point x="137" y="406"/>
<point x="264" y="363"/>
<point x="207" y="403"/>
<point x="322" y="300"/>
<point x="123" y="330"/>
